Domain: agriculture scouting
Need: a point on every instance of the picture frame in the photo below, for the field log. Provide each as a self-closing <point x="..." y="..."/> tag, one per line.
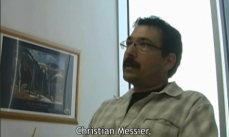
<point x="39" y="79"/>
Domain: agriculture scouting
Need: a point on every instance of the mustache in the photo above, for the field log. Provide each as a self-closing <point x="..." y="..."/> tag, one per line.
<point x="130" y="62"/>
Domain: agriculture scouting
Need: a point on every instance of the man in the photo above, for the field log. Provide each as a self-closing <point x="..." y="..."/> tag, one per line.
<point x="154" y="107"/>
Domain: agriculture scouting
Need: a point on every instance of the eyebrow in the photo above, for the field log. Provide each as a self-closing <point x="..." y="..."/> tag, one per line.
<point x="140" y="38"/>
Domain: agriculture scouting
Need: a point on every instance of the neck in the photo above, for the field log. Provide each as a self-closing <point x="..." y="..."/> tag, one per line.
<point x="150" y="86"/>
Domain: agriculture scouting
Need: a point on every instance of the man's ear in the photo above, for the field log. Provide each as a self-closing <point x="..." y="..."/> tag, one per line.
<point x="170" y="61"/>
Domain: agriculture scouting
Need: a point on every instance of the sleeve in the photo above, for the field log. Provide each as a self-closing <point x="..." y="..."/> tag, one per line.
<point x="200" y="123"/>
<point x="90" y="124"/>
<point x="94" y="117"/>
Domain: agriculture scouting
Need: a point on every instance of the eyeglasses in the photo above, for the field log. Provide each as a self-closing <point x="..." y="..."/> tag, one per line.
<point x="142" y="45"/>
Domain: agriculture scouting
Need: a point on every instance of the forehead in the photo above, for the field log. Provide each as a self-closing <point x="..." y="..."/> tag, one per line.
<point x="146" y="32"/>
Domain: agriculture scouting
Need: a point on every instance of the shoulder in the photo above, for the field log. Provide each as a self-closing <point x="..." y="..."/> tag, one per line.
<point x="110" y="104"/>
<point x="197" y="98"/>
<point x="107" y="102"/>
<point x="191" y="97"/>
<point x="112" y="101"/>
<point x="106" y="109"/>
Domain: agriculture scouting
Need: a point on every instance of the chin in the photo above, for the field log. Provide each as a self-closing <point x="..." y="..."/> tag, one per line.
<point x="129" y="78"/>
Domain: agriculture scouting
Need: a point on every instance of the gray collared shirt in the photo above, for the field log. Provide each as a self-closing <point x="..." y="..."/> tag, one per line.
<point x="169" y="113"/>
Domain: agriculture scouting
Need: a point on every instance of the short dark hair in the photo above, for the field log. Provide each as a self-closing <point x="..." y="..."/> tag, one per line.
<point x="171" y="39"/>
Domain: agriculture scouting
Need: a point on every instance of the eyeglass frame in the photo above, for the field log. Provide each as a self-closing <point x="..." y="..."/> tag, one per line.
<point x="137" y="43"/>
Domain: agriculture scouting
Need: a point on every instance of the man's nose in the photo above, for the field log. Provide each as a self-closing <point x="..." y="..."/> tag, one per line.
<point x="131" y="50"/>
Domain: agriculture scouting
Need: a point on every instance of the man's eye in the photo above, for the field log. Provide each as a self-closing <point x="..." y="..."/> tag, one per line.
<point x="144" y="44"/>
<point x="128" y="43"/>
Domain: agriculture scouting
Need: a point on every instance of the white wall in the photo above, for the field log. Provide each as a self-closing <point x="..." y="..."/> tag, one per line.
<point x="87" y="25"/>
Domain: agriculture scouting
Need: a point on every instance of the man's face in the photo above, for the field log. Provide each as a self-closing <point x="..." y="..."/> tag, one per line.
<point x="138" y="65"/>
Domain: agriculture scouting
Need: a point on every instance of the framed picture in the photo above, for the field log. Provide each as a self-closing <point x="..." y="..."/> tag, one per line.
<point x="39" y="79"/>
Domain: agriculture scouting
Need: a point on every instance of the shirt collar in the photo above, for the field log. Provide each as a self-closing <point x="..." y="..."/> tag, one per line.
<point x="172" y="89"/>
